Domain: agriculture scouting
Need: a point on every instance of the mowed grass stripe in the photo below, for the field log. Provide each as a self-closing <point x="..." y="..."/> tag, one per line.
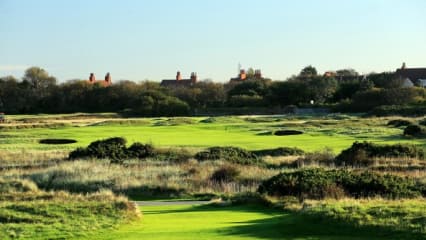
<point x="200" y="135"/>
<point x="234" y="223"/>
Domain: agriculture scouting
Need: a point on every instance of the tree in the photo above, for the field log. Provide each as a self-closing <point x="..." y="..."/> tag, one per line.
<point x="321" y="88"/>
<point x="347" y="72"/>
<point x="39" y="80"/>
<point x="308" y="71"/>
<point x="287" y="93"/>
<point x="383" y="80"/>
<point x="250" y="73"/>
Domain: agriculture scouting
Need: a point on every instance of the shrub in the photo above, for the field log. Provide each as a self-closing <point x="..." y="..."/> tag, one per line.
<point x="413" y="130"/>
<point x="362" y="153"/>
<point x="139" y="150"/>
<point x="399" y="123"/>
<point x="281" y="151"/>
<point x="320" y="183"/>
<point x="114" y="149"/>
<point x="287" y="132"/>
<point x="308" y="183"/>
<point x="173" y="155"/>
<point x="225" y="174"/>
<point x="79" y="152"/>
<point x="230" y="154"/>
<point x="423" y="122"/>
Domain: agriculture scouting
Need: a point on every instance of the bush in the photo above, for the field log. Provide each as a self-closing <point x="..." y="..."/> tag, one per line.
<point x="139" y="150"/>
<point x="320" y="184"/>
<point x="114" y="149"/>
<point x="230" y="154"/>
<point x="362" y="153"/>
<point x="413" y="130"/>
<point x="281" y="151"/>
<point x="422" y="122"/>
<point x="173" y="155"/>
<point x="399" y="123"/>
<point x="225" y="174"/>
<point x="287" y="132"/>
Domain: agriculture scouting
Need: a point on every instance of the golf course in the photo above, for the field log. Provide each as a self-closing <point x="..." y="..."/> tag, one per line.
<point x="47" y="194"/>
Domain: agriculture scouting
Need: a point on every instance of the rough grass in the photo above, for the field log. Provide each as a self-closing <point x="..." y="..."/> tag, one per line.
<point x="405" y="216"/>
<point x="143" y="180"/>
<point x="28" y="213"/>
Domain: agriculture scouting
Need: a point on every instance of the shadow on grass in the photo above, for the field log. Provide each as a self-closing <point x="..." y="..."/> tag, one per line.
<point x="297" y="226"/>
<point x="280" y="224"/>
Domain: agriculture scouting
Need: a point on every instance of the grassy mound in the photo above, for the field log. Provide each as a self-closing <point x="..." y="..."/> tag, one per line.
<point x="28" y="213"/>
<point x="399" y="123"/>
<point x="362" y="153"/>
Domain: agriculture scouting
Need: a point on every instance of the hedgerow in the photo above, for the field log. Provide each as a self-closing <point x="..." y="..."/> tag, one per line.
<point x="229" y="154"/>
<point x="361" y="153"/>
<point x="319" y="184"/>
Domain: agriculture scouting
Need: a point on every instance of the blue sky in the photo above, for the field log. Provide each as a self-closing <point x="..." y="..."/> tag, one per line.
<point x="152" y="39"/>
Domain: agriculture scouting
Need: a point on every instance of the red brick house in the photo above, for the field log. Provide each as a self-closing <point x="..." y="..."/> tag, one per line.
<point x="105" y="83"/>
<point x="179" y="82"/>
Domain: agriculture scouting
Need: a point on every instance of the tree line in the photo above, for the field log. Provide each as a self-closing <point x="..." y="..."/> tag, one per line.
<point x="344" y="90"/>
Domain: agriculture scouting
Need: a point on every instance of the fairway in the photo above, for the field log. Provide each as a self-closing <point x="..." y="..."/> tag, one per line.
<point x="233" y="222"/>
<point x="250" y="133"/>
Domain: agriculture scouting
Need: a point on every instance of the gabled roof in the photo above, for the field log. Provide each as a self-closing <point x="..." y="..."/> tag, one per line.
<point x="103" y="83"/>
<point x="176" y="83"/>
<point x="412" y="73"/>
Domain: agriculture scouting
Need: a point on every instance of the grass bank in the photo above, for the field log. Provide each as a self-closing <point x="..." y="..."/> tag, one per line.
<point x="28" y="213"/>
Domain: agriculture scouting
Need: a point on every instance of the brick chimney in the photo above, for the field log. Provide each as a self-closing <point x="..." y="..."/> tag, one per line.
<point x="178" y="76"/>
<point x="92" y="78"/>
<point x="258" y="74"/>
<point x="242" y="74"/>
<point x="108" y="79"/>
<point x="404" y="66"/>
<point x="193" y="77"/>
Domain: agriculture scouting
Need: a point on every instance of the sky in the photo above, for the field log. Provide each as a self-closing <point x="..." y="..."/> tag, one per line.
<point x="152" y="39"/>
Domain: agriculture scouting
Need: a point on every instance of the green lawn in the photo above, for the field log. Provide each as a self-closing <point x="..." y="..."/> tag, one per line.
<point x="227" y="131"/>
<point x="236" y="222"/>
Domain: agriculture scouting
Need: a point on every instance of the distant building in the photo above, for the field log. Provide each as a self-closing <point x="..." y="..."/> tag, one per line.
<point x="421" y="82"/>
<point x="344" y="78"/>
<point x="413" y="75"/>
<point x="106" y="82"/>
<point x="179" y="82"/>
<point x="242" y="76"/>
<point x="406" y="83"/>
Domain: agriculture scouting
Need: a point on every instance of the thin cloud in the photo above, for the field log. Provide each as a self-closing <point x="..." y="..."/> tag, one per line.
<point x="13" y="67"/>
